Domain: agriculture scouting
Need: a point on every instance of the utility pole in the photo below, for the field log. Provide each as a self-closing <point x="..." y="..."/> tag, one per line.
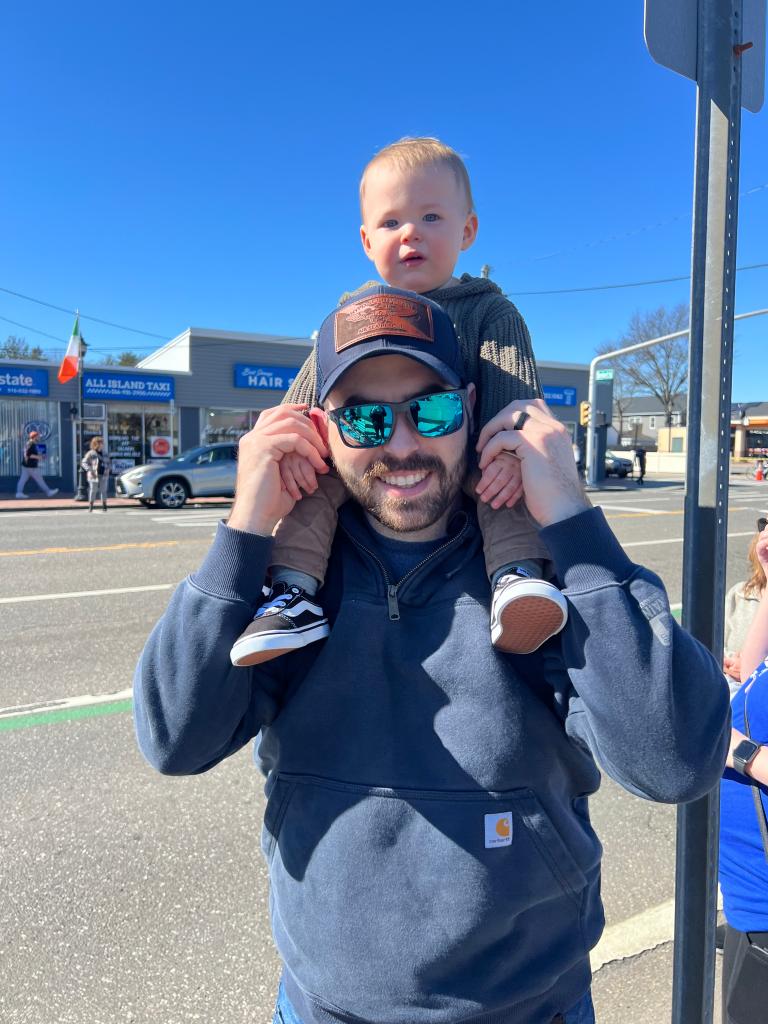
<point x="81" y="493"/>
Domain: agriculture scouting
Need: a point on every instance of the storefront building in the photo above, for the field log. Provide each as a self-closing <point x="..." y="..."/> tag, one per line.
<point x="203" y="386"/>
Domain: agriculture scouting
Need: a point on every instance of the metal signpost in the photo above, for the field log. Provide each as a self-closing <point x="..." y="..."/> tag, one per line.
<point x="708" y="40"/>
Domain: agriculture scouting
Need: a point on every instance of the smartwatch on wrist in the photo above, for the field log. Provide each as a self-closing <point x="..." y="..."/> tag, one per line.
<point x="744" y="754"/>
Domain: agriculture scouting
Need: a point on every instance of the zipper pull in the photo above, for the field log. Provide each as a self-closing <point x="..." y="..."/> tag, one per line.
<point x="394" y="611"/>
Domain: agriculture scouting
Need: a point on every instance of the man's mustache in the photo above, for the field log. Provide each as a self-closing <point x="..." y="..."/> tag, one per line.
<point x="415" y="464"/>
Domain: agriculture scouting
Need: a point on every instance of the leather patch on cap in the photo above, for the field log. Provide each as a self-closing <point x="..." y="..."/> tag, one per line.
<point x="382" y="315"/>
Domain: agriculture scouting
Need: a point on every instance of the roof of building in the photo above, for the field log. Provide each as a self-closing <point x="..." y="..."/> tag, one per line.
<point x="174" y="355"/>
<point x="749" y="409"/>
<point x="649" y="405"/>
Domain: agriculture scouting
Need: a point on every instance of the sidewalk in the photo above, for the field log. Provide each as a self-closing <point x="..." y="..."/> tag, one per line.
<point x="66" y="499"/>
<point x="629" y="483"/>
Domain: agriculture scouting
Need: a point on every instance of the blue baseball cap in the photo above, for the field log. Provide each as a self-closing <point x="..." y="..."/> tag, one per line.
<point x="387" y="321"/>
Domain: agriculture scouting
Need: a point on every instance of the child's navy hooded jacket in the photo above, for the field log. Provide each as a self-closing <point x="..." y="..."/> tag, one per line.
<point x="427" y="833"/>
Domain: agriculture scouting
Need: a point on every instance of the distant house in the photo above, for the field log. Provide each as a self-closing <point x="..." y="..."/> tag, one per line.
<point x="642" y="417"/>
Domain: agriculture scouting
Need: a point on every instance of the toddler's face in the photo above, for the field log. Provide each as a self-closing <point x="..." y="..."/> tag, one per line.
<point x="415" y="224"/>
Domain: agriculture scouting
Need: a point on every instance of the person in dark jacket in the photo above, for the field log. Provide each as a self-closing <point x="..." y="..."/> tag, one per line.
<point x="427" y="830"/>
<point x="640" y="460"/>
<point x="30" y="467"/>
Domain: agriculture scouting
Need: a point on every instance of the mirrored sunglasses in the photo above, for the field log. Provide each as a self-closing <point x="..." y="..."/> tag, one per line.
<point x="370" y="424"/>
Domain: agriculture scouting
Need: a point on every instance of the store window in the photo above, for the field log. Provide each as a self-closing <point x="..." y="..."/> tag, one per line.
<point x="138" y="433"/>
<point x="160" y="441"/>
<point x="17" y="418"/>
<point x="225" y="424"/>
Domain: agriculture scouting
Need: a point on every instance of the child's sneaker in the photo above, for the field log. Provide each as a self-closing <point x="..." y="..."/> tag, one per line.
<point x="289" y="619"/>
<point x="525" y="612"/>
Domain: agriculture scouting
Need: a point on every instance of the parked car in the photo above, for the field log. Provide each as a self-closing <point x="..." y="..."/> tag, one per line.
<point x="207" y="471"/>
<point x="617" y="465"/>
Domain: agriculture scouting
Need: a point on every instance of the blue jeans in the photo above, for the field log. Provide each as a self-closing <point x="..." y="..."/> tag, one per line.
<point x="582" y="1013"/>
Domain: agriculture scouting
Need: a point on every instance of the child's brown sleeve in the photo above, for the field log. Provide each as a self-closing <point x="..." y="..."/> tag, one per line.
<point x="507" y="368"/>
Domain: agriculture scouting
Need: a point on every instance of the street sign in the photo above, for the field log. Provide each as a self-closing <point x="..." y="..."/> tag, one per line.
<point x="603" y="374"/>
<point x="671" y="35"/>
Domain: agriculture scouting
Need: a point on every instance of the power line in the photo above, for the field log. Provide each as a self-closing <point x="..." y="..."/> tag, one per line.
<point x="150" y="334"/>
<point x="632" y="232"/>
<point x="34" y="330"/>
<point x="625" y="284"/>
<point x="83" y="316"/>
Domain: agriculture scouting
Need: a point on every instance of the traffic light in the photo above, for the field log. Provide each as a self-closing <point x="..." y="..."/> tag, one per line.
<point x="585" y="411"/>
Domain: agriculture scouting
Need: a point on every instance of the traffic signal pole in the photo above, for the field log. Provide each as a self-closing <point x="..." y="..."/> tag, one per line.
<point x="591" y="457"/>
<point x="592" y="475"/>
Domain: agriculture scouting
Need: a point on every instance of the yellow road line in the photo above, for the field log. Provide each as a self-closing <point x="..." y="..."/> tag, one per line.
<point x="103" y="547"/>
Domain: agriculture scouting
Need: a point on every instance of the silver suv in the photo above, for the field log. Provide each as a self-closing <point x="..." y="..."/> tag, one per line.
<point x="207" y="471"/>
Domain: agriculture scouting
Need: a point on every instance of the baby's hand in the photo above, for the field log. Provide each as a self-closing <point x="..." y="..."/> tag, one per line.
<point x="501" y="482"/>
<point x="732" y="666"/>
<point x="297" y="474"/>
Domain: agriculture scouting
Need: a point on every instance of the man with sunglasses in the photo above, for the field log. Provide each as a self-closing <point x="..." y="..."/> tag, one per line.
<point x="427" y="834"/>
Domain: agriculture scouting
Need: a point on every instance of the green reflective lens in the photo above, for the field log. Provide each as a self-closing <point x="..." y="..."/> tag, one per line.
<point x="366" y="426"/>
<point x="439" y="414"/>
<point x="370" y="425"/>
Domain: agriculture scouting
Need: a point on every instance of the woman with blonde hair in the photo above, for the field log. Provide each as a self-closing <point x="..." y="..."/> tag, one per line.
<point x="744" y="824"/>
<point x="741" y="603"/>
<point x="96" y="465"/>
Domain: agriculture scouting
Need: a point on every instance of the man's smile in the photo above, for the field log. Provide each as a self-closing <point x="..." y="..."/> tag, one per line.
<point x="413" y="483"/>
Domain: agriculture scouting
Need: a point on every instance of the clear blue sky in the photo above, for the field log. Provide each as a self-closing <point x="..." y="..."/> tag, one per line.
<point x="186" y="163"/>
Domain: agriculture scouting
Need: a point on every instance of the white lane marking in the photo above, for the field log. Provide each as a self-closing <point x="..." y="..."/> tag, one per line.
<point x="673" y="540"/>
<point x="197" y="521"/>
<point x="85" y="593"/>
<point x="635" y="508"/>
<point x="85" y="700"/>
<point x="638" y="934"/>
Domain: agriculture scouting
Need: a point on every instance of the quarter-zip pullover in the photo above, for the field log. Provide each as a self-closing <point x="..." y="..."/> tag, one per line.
<point x="427" y="833"/>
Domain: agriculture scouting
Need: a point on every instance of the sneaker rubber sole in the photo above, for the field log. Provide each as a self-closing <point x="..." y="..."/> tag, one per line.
<point x="525" y="623"/>
<point x="260" y="647"/>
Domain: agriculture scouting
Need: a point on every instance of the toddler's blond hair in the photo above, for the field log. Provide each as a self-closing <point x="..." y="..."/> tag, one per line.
<point x="412" y="153"/>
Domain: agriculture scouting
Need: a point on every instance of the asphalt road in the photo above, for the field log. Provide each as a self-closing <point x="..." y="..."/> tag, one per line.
<point x="127" y="896"/>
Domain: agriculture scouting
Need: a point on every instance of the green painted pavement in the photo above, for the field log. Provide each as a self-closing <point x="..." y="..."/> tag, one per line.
<point x="64" y="715"/>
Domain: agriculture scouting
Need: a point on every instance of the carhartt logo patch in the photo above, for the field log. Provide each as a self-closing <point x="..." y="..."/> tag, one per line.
<point x="380" y="315"/>
<point x="498" y="829"/>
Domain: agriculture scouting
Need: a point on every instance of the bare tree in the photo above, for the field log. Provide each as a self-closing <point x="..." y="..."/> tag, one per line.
<point x="19" y="348"/>
<point x="124" y="359"/>
<point x="661" y="370"/>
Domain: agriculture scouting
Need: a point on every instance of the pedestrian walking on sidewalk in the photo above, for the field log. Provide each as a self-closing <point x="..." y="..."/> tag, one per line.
<point x="640" y="460"/>
<point x="30" y="468"/>
<point x="96" y="465"/>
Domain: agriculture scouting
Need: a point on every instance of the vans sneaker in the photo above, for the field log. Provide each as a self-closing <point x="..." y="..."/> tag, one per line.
<point x="525" y="612"/>
<point x="289" y="619"/>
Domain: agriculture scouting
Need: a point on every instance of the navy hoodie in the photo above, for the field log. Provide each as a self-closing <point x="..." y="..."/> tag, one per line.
<point x="427" y="832"/>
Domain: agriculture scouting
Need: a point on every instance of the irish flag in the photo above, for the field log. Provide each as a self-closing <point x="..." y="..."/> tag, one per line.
<point x="69" y="364"/>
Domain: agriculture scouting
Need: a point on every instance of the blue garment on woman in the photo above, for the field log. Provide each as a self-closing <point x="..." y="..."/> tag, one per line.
<point x="743" y="865"/>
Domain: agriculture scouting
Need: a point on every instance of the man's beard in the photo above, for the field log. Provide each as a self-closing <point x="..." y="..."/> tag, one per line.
<point x="406" y="515"/>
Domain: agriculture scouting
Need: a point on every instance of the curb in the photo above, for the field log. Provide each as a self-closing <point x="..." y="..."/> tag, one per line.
<point x="9" y="503"/>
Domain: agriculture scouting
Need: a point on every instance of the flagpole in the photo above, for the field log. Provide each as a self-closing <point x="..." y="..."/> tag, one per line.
<point x="80" y="495"/>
